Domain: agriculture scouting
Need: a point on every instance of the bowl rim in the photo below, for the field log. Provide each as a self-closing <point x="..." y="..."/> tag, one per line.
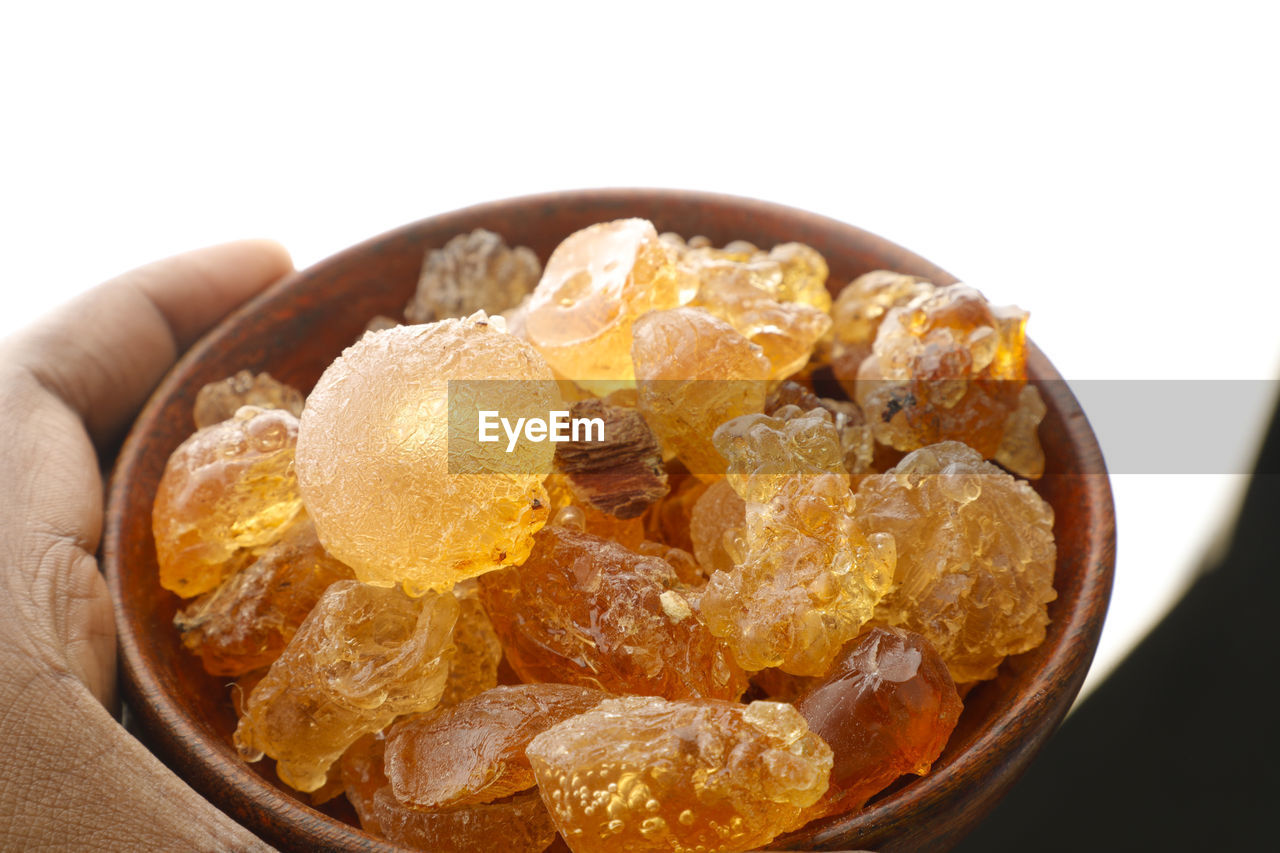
<point x="172" y="733"/>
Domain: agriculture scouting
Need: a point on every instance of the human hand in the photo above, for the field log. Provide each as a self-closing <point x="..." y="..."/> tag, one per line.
<point x="70" y="775"/>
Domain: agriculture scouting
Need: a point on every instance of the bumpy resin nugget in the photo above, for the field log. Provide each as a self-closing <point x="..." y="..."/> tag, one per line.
<point x="778" y="300"/>
<point x="474" y="752"/>
<point x="857" y="313"/>
<point x="393" y="493"/>
<point x="807" y="578"/>
<point x="246" y="622"/>
<point x="228" y="487"/>
<point x="363" y="657"/>
<point x="520" y="824"/>
<point x="640" y="773"/>
<point x="596" y="283"/>
<point x="975" y="556"/>
<point x="886" y="708"/>
<point x="795" y="272"/>
<point x="695" y="372"/>
<point x="472" y="272"/>
<point x="948" y="366"/>
<point x="219" y="401"/>
<point x="856" y="438"/>
<point x="477" y="649"/>
<point x="583" y="610"/>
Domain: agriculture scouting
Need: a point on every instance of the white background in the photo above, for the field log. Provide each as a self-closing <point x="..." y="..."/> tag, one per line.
<point x="1112" y="168"/>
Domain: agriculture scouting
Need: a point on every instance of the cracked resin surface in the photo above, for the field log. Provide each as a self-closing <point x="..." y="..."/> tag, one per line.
<point x="228" y="487"/>
<point x="640" y="773"/>
<point x="946" y="366"/>
<point x="807" y="578"/>
<point x="474" y="752"/>
<point x="520" y="824"/>
<point x="472" y="272"/>
<point x="246" y="622"/>
<point x="596" y="283"/>
<point x="376" y="459"/>
<point x="363" y="657"/>
<point x="695" y="372"/>
<point x="886" y="708"/>
<point x="219" y="401"/>
<point x="584" y="610"/>
<point x="975" y="556"/>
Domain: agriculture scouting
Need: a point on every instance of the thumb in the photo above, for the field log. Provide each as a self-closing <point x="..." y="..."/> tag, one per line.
<point x="102" y="353"/>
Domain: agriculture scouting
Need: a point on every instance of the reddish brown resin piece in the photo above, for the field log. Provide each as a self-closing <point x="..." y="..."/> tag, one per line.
<point x="583" y="610"/>
<point x="886" y="708"/>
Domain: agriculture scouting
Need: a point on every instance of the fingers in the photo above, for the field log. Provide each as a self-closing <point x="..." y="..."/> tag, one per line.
<point x="102" y="353"/>
<point x="194" y="290"/>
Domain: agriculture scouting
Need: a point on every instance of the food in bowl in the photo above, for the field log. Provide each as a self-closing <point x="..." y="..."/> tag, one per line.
<point x="713" y="360"/>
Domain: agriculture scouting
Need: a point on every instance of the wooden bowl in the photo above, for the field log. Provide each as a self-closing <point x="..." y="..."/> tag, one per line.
<point x="301" y="324"/>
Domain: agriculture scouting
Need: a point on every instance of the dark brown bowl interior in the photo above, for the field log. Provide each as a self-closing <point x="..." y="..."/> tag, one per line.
<point x="295" y="329"/>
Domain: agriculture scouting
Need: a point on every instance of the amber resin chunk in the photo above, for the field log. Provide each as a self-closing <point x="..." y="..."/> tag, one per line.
<point x="1020" y="449"/>
<point x="857" y="440"/>
<point x="695" y="372"/>
<point x="472" y="272"/>
<point x="807" y="577"/>
<point x="857" y="313"/>
<point x="627" y="532"/>
<point x="777" y="300"/>
<point x="976" y="556"/>
<point x="246" y="622"/>
<point x="474" y="752"/>
<point x="617" y="468"/>
<point x="946" y="366"/>
<point x="379" y="462"/>
<point x="218" y="401"/>
<point x="668" y="519"/>
<point x="228" y="487"/>
<point x="597" y="282"/>
<point x="477" y="649"/>
<point x="641" y="773"/>
<point x="886" y="708"/>
<point x="583" y="610"/>
<point x="687" y="569"/>
<point x="362" y="773"/>
<point x="519" y="824"/>
<point x="718" y="520"/>
<point x="363" y="657"/>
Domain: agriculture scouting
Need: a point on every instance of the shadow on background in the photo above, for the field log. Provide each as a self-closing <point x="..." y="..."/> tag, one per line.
<point x="1178" y="749"/>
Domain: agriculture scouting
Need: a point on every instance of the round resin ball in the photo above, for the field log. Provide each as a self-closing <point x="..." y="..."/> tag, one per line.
<point x="391" y="464"/>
